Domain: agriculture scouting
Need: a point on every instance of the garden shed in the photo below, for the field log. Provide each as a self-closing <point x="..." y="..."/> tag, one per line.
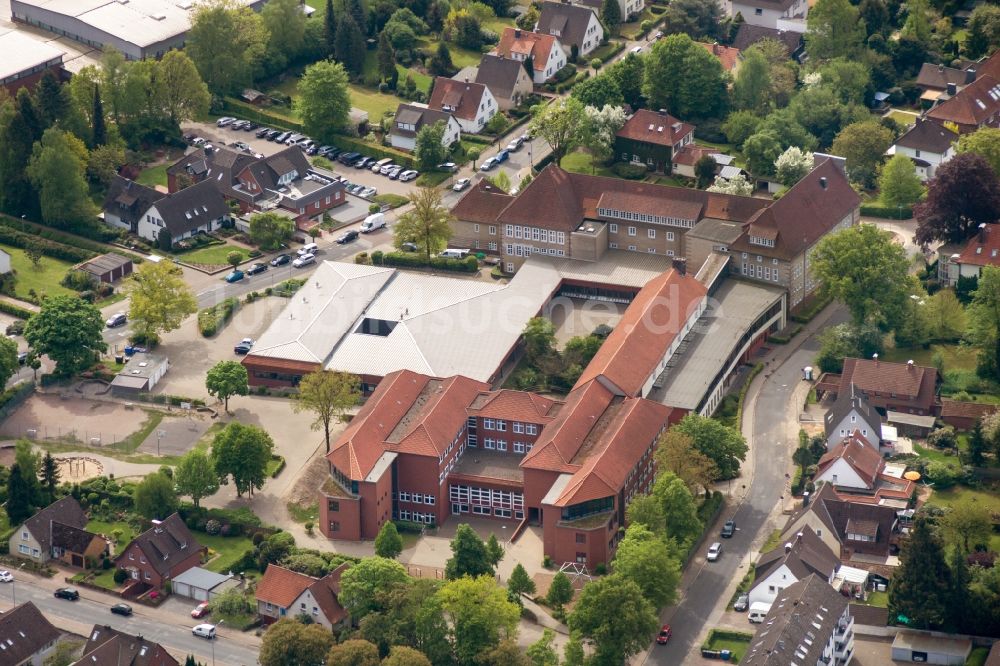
<point x="929" y="648"/>
<point x="203" y="585"/>
<point x="107" y="267"/>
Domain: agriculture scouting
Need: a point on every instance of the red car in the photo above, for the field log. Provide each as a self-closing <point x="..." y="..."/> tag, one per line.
<point x="664" y="635"/>
<point x="201" y="610"/>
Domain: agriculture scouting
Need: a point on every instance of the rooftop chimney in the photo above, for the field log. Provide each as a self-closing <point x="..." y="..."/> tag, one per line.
<point x="662" y="112"/>
<point x="951" y="89"/>
<point x="970" y="75"/>
<point x="788" y="547"/>
<point x="517" y="33"/>
<point x="680" y="265"/>
<point x="822" y="182"/>
<point x="798" y="536"/>
<point x="875" y="358"/>
<point x="909" y="364"/>
<point x="941" y="68"/>
<point x="982" y="233"/>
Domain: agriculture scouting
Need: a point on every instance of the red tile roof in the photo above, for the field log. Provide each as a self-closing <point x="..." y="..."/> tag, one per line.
<point x="326" y="590"/>
<point x="857" y="452"/>
<point x="652" y="127"/>
<point x="481" y="204"/>
<point x="728" y="57"/>
<point x="461" y="98"/>
<point x="560" y="441"/>
<point x="527" y="43"/>
<point x="281" y="586"/>
<point x="913" y="383"/>
<point x="968" y="410"/>
<point x="691" y="153"/>
<point x="983" y="249"/>
<point x="438" y="413"/>
<point x="514" y="406"/>
<point x="638" y="343"/>
<point x="972" y="106"/>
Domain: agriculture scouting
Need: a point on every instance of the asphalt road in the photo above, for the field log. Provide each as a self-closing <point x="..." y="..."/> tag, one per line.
<point x="92" y="608"/>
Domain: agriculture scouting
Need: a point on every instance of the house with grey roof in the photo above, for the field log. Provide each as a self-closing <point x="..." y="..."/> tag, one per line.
<point x="107" y="646"/>
<point x="200" y="208"/>
<point x="26" y="636"/>
<point x="849" y="414"/>
<point x="791" y="562"/>
<point x="928" y="144"/>
<point x="411" y="118"/>
<point x="576" y="27"/>
<point x="809" y="624"/>
<point x="126" y="202"/>
<point x="507" y="80"/>
<point x="57" y="532"/>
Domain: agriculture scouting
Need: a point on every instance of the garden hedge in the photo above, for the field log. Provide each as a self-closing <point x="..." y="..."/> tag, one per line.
<point x="887" y="212"/>
<point x="48" y="247"/>
<point x="15" y="310"/>
<point x="210" y="320"/>
<point x="411" y="260"/>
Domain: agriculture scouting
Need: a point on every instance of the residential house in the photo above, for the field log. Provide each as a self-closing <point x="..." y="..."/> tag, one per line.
<point x="26" y="636"/>
<point x="803" y="555"/>
<point x="577" y="28"/>
<point x="968" y="260"/>
<point x="748" y="34"/>
<point x="848" y="528"/>
<point x="928" y="144"/>
<point x="652" y="138"/>
<point x="165" y="550"/>
<point x="728" y="56"/>
<point x="200" y="208"/>
<point x="936" y="81"/>
<point x="284" y="593"/>
<point x="858" y="473"/>
<point x="475" y="226"/>
<point x="974" y="106"/>
<point x="126" y="202"/>
<point x="411" y="118"/>
<point x="849" y="414"/>
<point x="545" y="52"/>
<point x="774" y="14"/>
<point x="107" y="646"/>
<point x="888" y="387"/>
<point x="507" y="79"/>
<point x="683" y="162"/>
<point x="57" y="533"/>
<point x="809" y="623"/>
<point x="630" y="9"/>
<point x="471" y="104"/>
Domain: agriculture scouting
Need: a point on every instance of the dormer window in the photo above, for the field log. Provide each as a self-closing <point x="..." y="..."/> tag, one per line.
<point x="760" y="240"/>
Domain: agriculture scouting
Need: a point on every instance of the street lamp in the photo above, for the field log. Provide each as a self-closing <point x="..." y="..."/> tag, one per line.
<point x="221" y="622"/>
<point x="13" y="582"/>
<point x="159" y="434"/>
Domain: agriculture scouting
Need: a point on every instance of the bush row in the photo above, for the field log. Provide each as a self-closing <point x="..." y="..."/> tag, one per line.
<point x="288" y="287"/>
<point x="608" y="54"/>
<point x="349" y="143"/>
<point x="210" y="320"/>
<point x="412" y="260"/>
<point x="778" y="339"/>
<point x="887" y="212"/>
<point x="15" y="310"/>
<point x="260" y="115"/>
<point x="89" y="237"/>
<point x="281" y="465"/>
<point x="806" y="315"/>
<point x="48" y="247"/>
<point x="743" y="394"/>
<point x="565" y="86"/>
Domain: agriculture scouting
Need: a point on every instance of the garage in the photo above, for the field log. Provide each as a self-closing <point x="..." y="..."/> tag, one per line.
<point x="926" y="648"/>
<point x="201" y="584"/>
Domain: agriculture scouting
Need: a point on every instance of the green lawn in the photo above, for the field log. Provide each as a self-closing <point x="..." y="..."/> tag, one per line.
<point x="101" y="527"/>
<point x="214" y="255"/>
<point x="105" y="579"/>
<point x="978" y="656"/>
<point x="433" y="178"/>
<point x="227" y="549"/>
<point x="737" y="646"/>
<point x="272" y="466"/>
<point x="935" y="455"/>
<point x="879" y="599"/>
<point x="582" y="162"/>
<point x="303" y="514"/>
<point x="957" y="495"/>
<point x="154" y="176"/>
<point x="904" y="118"/>
<point x="375" y="103"/>
<point x="956" y="357"/>
<point x="370" y="68"/>
<point x="391" y="200"/>
<point x="669" y="180"/>
<point x="43" y="280"/>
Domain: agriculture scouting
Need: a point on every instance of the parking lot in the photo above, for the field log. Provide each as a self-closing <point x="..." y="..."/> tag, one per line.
<point x="220" y="135"/>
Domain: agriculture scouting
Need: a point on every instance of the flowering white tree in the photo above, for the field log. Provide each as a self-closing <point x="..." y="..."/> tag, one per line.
<point x="793" y="165"/>
<point x="738" y="184"/>
<point x="601" y="126"/>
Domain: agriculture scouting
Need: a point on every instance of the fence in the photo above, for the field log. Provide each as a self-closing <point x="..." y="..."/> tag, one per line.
<point x="12" y="399"/>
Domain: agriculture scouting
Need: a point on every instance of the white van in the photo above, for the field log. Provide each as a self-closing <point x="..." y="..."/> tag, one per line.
<point x="452" y="253"/>
<point x="758" y="612"/>
<point x="377" y="167"/>
<point x="373" y="222"/>
<point x="308" y="248"/>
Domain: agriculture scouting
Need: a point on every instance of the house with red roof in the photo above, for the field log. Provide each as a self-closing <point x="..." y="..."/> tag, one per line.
<point x="727" y="56"/>
<point x="652" y="138"/>
<point x="545" y="52"/>
<point x="974" y="106"/>
<point x="470" y="103"/>
<point x="981" y="250"/>
<point x="284" y="593"/>
<point x="858" y="473"/>
<point x="904" y="388"/>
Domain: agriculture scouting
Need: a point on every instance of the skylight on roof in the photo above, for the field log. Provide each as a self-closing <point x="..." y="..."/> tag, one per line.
<point x="981" y="105"/>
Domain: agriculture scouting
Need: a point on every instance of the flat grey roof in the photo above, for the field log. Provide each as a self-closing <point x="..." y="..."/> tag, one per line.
<point x="203" y="579"/>
<point x="732" y="310"/>
<point x="909" y="419"/>
<point x="616" y="267"/>
<point x="723" y="231"/>
<point x="21" y="53"/>
<point x="922" y="643"/>
<point x="141" y="366"/>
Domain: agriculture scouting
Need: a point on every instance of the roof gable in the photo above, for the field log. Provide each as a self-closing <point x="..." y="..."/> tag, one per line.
<point x="525" y="44"/>
<point x="66" y="510"/>
<point x="973" y="105"/>
<point x="166" y="543"/>
<point x="482" y="204"/>
<point x="847" y="403"/>
<point x="107" y="646"/>
<point x="24" y="631"/>
<point x="857" y="452"/>
<point x="566" y="22"/>
<point x="983" y="249"/>
<point x="281" y="586"/>
<point x="500" y="75"/>
<point x="652" y="127"/>
<point x="805" y="553"/>
<point x="460" y="98"/>
<point x="192" y="207"/>
<point x="902" y="380"/>
<point x="929" y="136"/>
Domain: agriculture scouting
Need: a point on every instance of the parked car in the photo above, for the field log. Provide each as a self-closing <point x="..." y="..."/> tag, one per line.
<point x="22" y="359"/>
<point x="408" y="247"/>
<point x="189" y="137"/>
<point x="488" y="164"/>
<point x="67" y="593"/>
<point x="729" y="529"/>
<point x="241" y="145"/>
<point x="377" y="166"/>
<point x="714" y="551"/>
<point x="121" y="609"/>
<point x="503" y="156"/>
<point x="364" y="163"/>
<point x="407" y="176"/>
<point x="6" y="577"/>
<point x="664" y="636"/>
<point x="515" y="144"/>
<point x="368" y="192"/>
<point x="323" y="151"/>
<point x="262" y="132"/>
<point x="280" y="137"/>
<point x="348" y="159"/>
<point x="385" y="169"/>
<point x="742" y="603"/>
<point x="200" y="611"/>
<point x="225" y="121"/>
<point x="637" y="49"/>
<point x="204" y="631"/>
<point x="237" y="124"/>
<point x="308" y="248"/>
<point x="116" y="320"/>
<point x="235" y="276"/>
<point x="347" y="237"/>
<point x="394" y="174"/>
<point x="250" y="126"/>
<point x="306" y="259"/>
<point x="312" y="150"/>
<point x="450" y="167"/>
<point x="281" y="260"/>
<point x="258" y="267"/>
<point x="293" y="139"/>
<point x="658" y="35"/>
<point x="461" y="184"/>
<point x="244" y="347"/>
<point x="273" y="135"/>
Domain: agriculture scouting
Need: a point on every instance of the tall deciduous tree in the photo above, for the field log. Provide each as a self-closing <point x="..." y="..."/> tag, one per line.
<point x="611" y="15"/>
<point x="863" y="145"/>
<point x="985" y="142"/>
<point x="899" y="183"/>
<point x="698" y="19"/>
<point x="182" y="92"/>
<point x="470" y="557"/>
<point x="599" y="90"/>
<point x="269" y="230"/>
<point x="195" y="476"/>
<point x="160" y="299"/>
<point x="226" y="379"/>
<point x="241" y="452"/>
<point x="968" y="525"/>
<point x="363" y="586"/>
<point x="291" y="642"/>
<point x="353" y="652"/>
<point x="388" y="543"/>
<point x="560" y="123"/>
<point x="479" y="614"/>
<point x="835" y="30"/>
<point x="677" y="453"/>
<point x="285" y="23"/>
<point x="58" y="173"/>
<point x="227" y="42"/>
<point x="949" y="213"/>
<point x="615" y="616"/>
<point x="723" y="445"/>
<point x="69" y="331"/>
<point x="628" y="74"/>
<point x="751" y="89"/>
<point x="865" y="270"/>
<point x="984" y="319"/>
<point x="329" y="395"/>
<point x="401" y="655"/>
<point x="647" y="510"/>
<point x="154" y="497"/>
<point x="324" y="103"/>
<point x="427" y="224"/>
<point x="647" y="561"/>
<point x="428" y="147"/>
<point x="679" y="509"/>
<point x="920" y="589"/>
<point x="685" y="79"/>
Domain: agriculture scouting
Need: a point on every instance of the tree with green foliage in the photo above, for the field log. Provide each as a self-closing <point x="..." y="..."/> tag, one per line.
<point x="353" y="652"/>
<point x="429" y="148"/>
<point x="697" y="19"/>
<point x="494" y="551"/>
<point x="945" y="316"/>
<point x="762" y="150"/>
<point x="427" y="224"/>
<point x="627" y="73"/>
<point x="647" y="510"/>
<point x="441" y="64"/>
<point x="349" y="50"/>
<point x="793" y="165"/>
<point x="539" y="337"/>
<point x="599" y="91"/>
<point x="611" y="15"/>
<point x="195" y="476"/>
<point x="328" y="394"/>
<point x="388" y="543"/>
<point x="99" y="135"/>
<point x="401" y="655"/>
<point x="677" y="453"/>
<point x="834" y="30"/>
<point x="19" y="506"/>
<point x="226" y="379"/>
<point x="984" y="142"/>
<point x="920" y="588"/>
<point x="685" y="79"/>
<point x="479" y="614"/>
<point x="29" y="463"/>
<point x="52" y="98"/>
<point x="269" y="230"/>
<point x="154" y="497"/>
<point x="362" y="587"/>
<point x="968" y="525"/>
<point x="751" y="89"/>
<point x="519" y="582"/>
<point x="386" y="57"/>
<point x="865" y="270"/>
<point x="19" y="130"/>
<point x="58" y="172"/>
<point x="183" y="94"/>
<point x="49" y="481"/>
<point x="324" y="102"/>
<point x="899" y="184"/>
<point x="242" y="452"/>
<point x="8" y="359"/>
<point x="617" y="619"/>
<point x="704" y="171"/>
<point x="679" y="508"/>
<point x="227" y="42"/>
<point x="288" y="642"/>
<point x="740" y="126"/>
<point x="978" y="446"/>
<point x="573" y="654"/>
<point x="285" y="23"/>
<point x="160" y="299"/>
<point x="69" y="331"/>
<point x="649" y="562"/>
<point x="329" y="28"/>
<point x="721" y="444"/>
<point x="560" y="591"/>
<point x="864" y="145"/>
<point x="470" y="556"/>
<point x="984" y="31"/>
<point x="542" y="652"/>
<point x="948" y="213"/>
<point x="560" y="123"/>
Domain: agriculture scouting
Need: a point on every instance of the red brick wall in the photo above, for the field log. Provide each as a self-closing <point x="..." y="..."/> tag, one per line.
<point x="347" y="515"/>
<point x="537" y="483"/>
<point x="419" y="474"/>
<point x="179" y="567"/>
<point x="560" y="543"/>
<point x="376" y="505"/>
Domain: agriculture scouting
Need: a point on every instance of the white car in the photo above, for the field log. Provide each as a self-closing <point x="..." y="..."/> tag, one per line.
<point x="304" y="260"/>
<point x="225" y="121"/>
<point x="368" y="193"/>
<point x="515" y="144"/>
<point x="488" y="164"/>
<point x="461" y="184"/>
<point x="204" y="630"/>
<point x="407" y="176"/>
<point x="6" y="577"/>
<point x="714" y="551"/>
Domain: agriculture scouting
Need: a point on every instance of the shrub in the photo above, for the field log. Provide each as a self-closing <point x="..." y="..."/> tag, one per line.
<point x="309" y="528"/>
<point x="629" y="171"/>
<point x="212" y="527"/>
<point x="210" y="320"/>
<point x="120" y="576"/>
<point x="596" y="63"/>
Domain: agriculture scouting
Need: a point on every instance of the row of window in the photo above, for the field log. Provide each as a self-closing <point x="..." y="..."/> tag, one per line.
<point x="417" y="517"/>
<point x="500" y="425"/>
<point x="633" y="248"/>
<point x="458" y="509"/>
<point x="416" y="498"/>
<point x="758" y="240"/>
<point x="491" y="444"/>
<point x="650" y="233"/>
<point x="492" y="229"/>
<point x="528" y="250"/>
<point x="535" y="234"/>
<point x="645" y="217"/>
<point x="462" y="494"/>
<point x="492" y="245"/>
<point x="761" y="272"/>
